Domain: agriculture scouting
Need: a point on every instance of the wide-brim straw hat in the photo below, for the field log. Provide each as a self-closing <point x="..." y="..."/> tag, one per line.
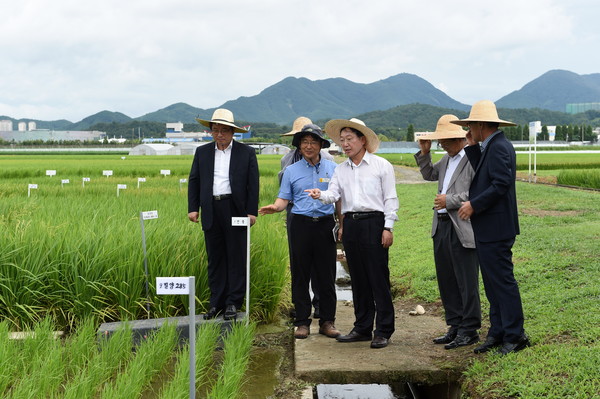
<point x="446" y="130"/>
<point x="222" y="116"/>
<point x="312" y="130"/>
<point x="299" y="123"/>
<point x="483" y="111"/>
<point x="334" y="127"/>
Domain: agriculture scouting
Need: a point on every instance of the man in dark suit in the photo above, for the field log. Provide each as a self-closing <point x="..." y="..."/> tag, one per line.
<point x="492" y="209"/>
<point x="223" y="183"/>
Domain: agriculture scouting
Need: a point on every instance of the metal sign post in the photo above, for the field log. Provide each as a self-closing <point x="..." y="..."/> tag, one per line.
<point x="121" y="187"/>
<point x="181" y="181"/>
<point x="245" y="221"/>
<point x="141" y="180"/>
<point x="83" y="180"/>
<point x="145" y="216"/>
<point x="63" y="182"/>
<point x="184" y="286"/>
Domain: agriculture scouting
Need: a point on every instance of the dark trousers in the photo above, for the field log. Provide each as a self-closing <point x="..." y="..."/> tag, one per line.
<point x="457" y="271"/>
<point x="226" y="250"/>
<point x="313" y="283"/>
<point x="501" y="289"/>
<point x="370" y="275"/>
<point x="313" y="255"/>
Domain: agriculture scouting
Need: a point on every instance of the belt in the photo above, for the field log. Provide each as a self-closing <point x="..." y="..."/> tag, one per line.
<point x="362" y="215"/>
<point x="221" y="197"/>
<point x="443" y="216"/>
<point x="314" y="218"/>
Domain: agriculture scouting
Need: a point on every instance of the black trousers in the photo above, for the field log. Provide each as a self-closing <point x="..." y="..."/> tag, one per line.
<point x="370" y="275"/>
<point x="457" y="271"/>
<point x="313" y="283"/>
<point x="313" y="255"/>
<point x="226" y="250"/>
<point x="501" y="289"/>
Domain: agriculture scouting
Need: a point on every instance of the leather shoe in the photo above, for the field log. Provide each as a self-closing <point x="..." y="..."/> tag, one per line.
<point x="328" y="329"/>
<point x="230" y="313"/>
<point x="521" y="344"/>
<point x="462" y="340"/>
<point x="446" y="338"/>
<point x="353" y="337"/>
<point x="302" y="332"/>
<point x="212" y="313"/>
<point x="379" y="342"/>
<point x="489" y="344"/>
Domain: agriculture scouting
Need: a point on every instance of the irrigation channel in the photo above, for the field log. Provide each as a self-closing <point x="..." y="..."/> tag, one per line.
<point x="410" y="367"/>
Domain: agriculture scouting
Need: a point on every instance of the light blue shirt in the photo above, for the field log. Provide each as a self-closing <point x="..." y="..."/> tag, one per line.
<point x="303" y="176"/>
<point x="487" y="140"/>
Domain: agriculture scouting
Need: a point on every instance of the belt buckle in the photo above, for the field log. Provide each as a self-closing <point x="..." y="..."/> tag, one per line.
<point x="315" y="218"/>
<point x="355" y="216"/>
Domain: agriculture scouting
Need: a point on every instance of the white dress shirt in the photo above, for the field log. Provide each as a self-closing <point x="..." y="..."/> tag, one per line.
<point x="221" y="183"/>
<point x="367" y="187"/>
<point x="450" y="169"/>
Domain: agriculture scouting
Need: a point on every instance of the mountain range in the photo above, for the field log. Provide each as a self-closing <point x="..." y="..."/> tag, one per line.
<point x="282" y="102"/>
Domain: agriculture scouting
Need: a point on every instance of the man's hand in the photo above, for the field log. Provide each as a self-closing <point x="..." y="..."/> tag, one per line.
<point x="252" y="219"/>
<point x="314" y="193"/>
<point x="387" y="239"/>
<point x="466" y="210"/>
<point x="268" y="210"/>
<point x="193" y="216"/>
<point x="470" y="140"/>
<point x="440" y="202"/>
<point x="425" y="146"/>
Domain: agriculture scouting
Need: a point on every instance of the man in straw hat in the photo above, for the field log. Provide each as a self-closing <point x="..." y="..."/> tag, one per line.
<point x="492" y="209"/>
<point x="366" y="185"/>
<point x="310" y="228"/>
<point x="223" y="183"/>
<point x="456" y="264"/>
<point x="288" y="159"/>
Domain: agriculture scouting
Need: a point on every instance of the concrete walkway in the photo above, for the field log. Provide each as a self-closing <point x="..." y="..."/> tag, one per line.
<point x="410" y="357"/>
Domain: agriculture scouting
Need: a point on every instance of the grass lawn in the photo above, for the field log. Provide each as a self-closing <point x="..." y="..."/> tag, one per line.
<point x="556" y="264"/>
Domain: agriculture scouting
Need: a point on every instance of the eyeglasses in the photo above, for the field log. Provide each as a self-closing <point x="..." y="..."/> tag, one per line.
<point x="307" y="143"/>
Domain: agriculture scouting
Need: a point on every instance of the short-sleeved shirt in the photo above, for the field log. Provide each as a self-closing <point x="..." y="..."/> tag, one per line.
<point x="302" y="176"/>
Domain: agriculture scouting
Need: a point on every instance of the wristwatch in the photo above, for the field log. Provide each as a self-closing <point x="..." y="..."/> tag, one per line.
<point x="389" y="229"/>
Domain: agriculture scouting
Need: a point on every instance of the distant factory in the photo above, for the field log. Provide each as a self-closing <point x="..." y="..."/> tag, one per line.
<point x="28" y="131"/>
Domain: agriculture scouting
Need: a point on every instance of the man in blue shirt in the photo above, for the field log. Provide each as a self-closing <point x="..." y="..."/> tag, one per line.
<point x="311" y="231"/>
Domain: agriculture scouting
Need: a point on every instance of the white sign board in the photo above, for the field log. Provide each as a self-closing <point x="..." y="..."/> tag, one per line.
<point x="239" y="221"/>
<point x="50" y="173"/>
<point x="142" y="179"/>
<point x="150" y="215"/>
<point x="33" y="186"/>
<point x="86" y="179"/>
<point x="107" y="173"/>
<point x="64" y="181"/>
<point x="172" y="285"/>
<point x="121" y="186"/>
<point x="165" y="172"/>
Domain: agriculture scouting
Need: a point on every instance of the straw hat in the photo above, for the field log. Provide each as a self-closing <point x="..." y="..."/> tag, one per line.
<point x="483" y="111"/>
<point x="335" y="126"/>
<point x="313" y="130"/>
<point x="446" y="130"/>
<point x="298" y="125"/>
<point x="222" y="116"/>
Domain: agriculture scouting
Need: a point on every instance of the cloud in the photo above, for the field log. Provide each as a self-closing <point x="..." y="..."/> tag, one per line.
<point x="69" y="59"/>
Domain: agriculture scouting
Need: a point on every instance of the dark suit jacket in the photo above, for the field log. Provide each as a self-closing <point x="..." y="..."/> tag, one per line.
<point x="492" y="192"/>
<point x="243" y="177"/>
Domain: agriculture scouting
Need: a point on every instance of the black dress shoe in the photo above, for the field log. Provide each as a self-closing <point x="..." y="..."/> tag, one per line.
<point x="489" y="344"/>
<point x="446" y="338"/>
<point x="212" y="313"/>
<point x="353" y="337"/>
<point x="230" y="313"/>
<point x="521" y="344"/>
<point x="462" y="340"/>
<point x="379" y="342"/>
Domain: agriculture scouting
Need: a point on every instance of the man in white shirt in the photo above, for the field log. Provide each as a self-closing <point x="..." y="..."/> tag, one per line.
<point x="223" y="183"/>
<point x="456" y="263"/>
<point x="366" y="185"/>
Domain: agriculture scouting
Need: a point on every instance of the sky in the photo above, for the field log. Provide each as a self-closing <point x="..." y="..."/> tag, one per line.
<point x="69" y="59"/>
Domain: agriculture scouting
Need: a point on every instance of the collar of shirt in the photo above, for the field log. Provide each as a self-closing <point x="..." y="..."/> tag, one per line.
<point x="366" y="159"/>
<point x="487" y="140"/>
<point x="226" y="149"/>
